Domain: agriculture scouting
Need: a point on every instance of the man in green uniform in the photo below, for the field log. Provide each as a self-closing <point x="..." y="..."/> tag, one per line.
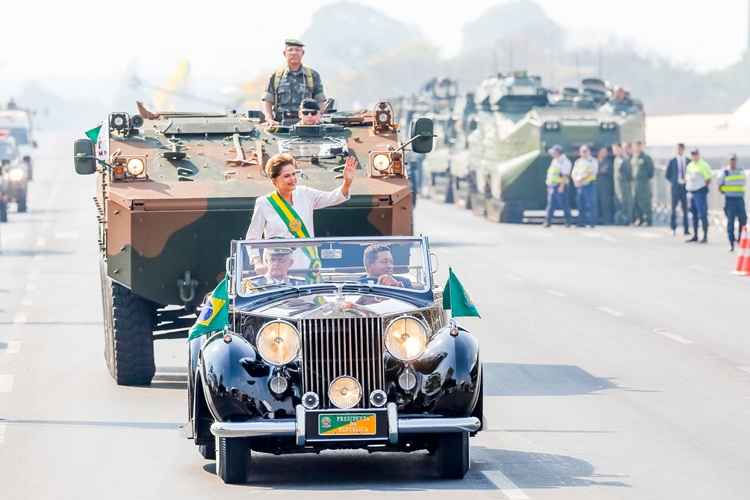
<point x="643" y="171"/>
<point x="290" y="85"/>
<point x="623" y="177"/>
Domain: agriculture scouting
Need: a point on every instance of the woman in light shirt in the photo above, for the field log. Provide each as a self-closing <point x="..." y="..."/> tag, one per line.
<point x="287" y="212"/>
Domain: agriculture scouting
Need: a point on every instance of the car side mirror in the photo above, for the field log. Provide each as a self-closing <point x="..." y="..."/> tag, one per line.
<point x="422" y="134"/>
<point x="83" y="157"/>
<point x="434" y="263"/>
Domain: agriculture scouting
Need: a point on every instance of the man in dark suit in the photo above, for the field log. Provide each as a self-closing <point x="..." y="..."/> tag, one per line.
<point x="378" y="261"/>
<point x="676" y="169"/>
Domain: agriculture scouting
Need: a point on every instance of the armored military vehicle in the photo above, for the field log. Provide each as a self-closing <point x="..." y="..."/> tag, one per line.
<point x="173" y="189"/>
<point x="519" y="121"/>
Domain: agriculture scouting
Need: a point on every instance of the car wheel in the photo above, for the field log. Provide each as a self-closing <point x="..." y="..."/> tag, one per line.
<point x="207" y="451"/>
<point x="453" y="455"/>
<point x="233" y="459"/>
<point x="128" y="334"/>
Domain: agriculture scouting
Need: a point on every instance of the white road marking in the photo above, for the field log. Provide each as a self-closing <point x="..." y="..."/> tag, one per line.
<point x="514" y="277"/>
<point x="6" y="383"/>
<point x="14" y="347"/>
<point x="70" y="235"/>
<point x="672" y="336"/>
<point x="611" y="312"/>
<point x="556" y="293"/>
<point x="20" y="318"/>
<point x="505" y="485"/>
<point x="598" y="235"/>
<point x="2" y="432"/>
<point x="745" y="369"/>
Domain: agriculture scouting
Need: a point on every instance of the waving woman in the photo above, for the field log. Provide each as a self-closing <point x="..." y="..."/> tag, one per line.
<point x="287" y="212"/>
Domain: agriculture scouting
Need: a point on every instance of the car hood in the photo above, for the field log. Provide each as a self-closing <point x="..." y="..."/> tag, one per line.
<point x="333" y="305"/>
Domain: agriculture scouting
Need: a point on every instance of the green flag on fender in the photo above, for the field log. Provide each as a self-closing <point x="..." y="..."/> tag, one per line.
<point x="93" y="134"/>
<point x="214" y="312"/>
<point x="456" y="299"/>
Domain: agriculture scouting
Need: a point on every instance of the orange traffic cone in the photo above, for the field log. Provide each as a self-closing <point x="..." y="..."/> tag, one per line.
<point x="743" y="258"/>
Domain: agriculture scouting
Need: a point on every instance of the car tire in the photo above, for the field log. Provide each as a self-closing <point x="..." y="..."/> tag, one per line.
<point x="128" y="334"/>
<point x="207" y="451"/>
<point x="452" y="455"/>
<point x="233" y="457"/>
<point x="21" y="203"/>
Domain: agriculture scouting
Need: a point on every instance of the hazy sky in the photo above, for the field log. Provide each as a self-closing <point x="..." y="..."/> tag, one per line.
<point x="101" y="39"/>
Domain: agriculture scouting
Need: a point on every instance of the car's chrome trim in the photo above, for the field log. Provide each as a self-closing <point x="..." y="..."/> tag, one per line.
<point x="296" y="427"/>
<point x="437" y="425"/>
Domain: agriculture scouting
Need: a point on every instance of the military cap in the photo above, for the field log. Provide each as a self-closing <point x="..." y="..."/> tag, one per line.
<point x="293" y="42"/>
<point x="274" y="251"/>
<point x="695" y="151"/>
<point x="733" y="157"/>
<point x="555" y="148"/>
<point x="309" y="104"/>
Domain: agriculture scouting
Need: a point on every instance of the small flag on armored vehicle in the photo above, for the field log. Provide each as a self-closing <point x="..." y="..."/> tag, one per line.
<point x="214" y="312"/>
<point x="456" y="299"/>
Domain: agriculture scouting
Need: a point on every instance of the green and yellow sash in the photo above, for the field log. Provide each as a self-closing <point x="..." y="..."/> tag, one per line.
<point x="294" y="224"/>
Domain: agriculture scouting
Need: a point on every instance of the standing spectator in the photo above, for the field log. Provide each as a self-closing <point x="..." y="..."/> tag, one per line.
<point x="697" y="180"/>
<point x="623" y="177"/>
<point x="628" y="149"/>
<point x="643" y="172"/>
<point x="558" y="173"/>
<point x="732" y="185"/>
<point x="676" y="169"/>
<point x="584" y="178"/>
<point x="605" y="187"/>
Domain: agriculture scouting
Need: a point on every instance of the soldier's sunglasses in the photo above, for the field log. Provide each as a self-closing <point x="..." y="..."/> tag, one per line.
<point x="309" y="113"/>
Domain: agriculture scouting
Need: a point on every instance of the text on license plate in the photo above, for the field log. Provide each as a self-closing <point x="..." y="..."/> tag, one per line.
<point x="347" y="424"/>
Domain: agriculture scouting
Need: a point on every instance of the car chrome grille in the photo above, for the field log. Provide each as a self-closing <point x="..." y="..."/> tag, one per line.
<point x="342" y="346"/>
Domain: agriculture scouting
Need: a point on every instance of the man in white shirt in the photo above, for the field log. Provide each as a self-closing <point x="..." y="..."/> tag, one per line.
<point x="584" y="178"/>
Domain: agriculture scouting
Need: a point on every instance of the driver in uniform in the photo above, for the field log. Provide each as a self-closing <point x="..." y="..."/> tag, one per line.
<point x="290" y="85"/>
<point x="309" y="112"/>
<point x="277" y="261"/>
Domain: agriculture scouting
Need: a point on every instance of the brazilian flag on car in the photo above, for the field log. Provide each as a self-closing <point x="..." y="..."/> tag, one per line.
<point x="456" y="299"/>
<point x="214" y="312"/>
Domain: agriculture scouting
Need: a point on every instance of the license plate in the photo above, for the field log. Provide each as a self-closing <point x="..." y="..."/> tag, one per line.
<point x="347" y="424"/>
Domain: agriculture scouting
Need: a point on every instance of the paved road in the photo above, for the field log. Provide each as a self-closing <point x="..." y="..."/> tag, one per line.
<point x="617" y="362"/>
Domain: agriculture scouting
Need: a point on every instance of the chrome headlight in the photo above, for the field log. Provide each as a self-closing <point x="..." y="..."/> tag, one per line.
<point x="381" y="162"/>
<point x="136" y="167"/>
<point x="278" y="342"/>
<point x="16" y="175"/>
<point x="406" y="338"/>
<point x="345" y="392"/>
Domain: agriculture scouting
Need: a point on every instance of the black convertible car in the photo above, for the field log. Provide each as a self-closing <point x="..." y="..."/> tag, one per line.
<point x="334" y="343"/>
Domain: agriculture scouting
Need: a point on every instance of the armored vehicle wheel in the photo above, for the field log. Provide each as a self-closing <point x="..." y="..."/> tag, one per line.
<point x="21" y="202"/>
<point x="233" y="459"/>
<point x="128" y="336"/>
<point x="452" y="455"/>
<point x="3" y="211"/>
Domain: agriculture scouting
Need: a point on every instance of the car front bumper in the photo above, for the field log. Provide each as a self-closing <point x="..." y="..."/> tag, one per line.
<point x="296" y="427"/>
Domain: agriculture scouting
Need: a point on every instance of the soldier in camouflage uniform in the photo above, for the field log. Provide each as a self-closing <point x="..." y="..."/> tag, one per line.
<point x="290" y="85"/>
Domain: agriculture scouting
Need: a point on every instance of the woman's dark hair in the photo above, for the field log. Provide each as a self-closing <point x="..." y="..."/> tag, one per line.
<point x="278" y="162"/>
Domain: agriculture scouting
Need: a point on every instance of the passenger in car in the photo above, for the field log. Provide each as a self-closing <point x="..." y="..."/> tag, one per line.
<point x="378" y="261"/>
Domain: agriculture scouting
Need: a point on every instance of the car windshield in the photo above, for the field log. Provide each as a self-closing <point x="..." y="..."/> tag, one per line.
<point x="323" y="147"/>
<point x="387" y="262"/>
<point x="21" y="135"/>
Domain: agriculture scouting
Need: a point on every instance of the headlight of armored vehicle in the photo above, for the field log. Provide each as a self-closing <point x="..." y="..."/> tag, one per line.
<point x="278" y="342"/>
<point x="406" y="338"/>
<point x="381" y="162"/>
<point x="16" y="175"/>
<point x="136" y="167"/>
